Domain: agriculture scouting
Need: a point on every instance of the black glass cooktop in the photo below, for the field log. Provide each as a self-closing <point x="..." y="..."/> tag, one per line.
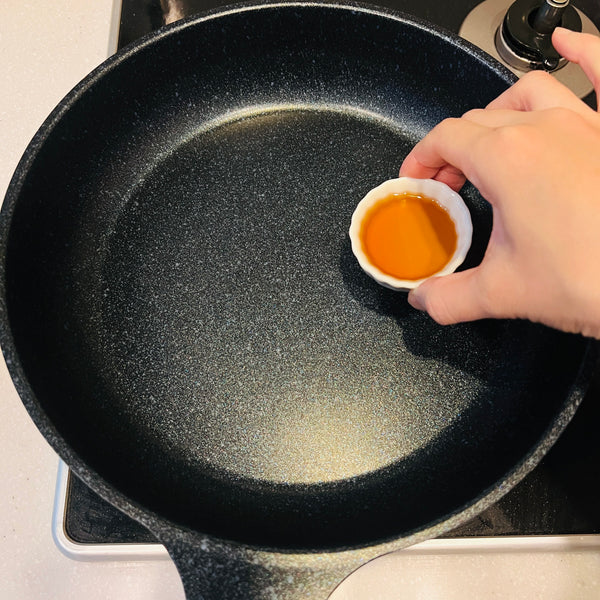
<point x="556" y="498"/>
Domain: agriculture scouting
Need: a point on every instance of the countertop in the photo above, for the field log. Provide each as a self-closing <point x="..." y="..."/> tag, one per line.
<point x="46" y="48"/>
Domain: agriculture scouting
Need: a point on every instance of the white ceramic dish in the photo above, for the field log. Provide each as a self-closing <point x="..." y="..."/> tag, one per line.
<point x="444" y="196"/>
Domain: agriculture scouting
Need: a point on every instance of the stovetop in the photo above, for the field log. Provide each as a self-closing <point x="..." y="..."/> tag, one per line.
<point x="557" y="498"/>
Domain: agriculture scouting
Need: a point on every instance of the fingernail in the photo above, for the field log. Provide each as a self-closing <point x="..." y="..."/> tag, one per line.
<point x="415" y="301"/>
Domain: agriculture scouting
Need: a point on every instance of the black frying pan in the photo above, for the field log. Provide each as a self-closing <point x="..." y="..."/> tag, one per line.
<point x="185" y="322"/>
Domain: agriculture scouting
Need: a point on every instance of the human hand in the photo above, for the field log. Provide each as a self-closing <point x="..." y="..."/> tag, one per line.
<point x="534" y="155"/>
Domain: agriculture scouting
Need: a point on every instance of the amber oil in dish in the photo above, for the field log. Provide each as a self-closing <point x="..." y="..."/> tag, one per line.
<point x="408" y="236"/>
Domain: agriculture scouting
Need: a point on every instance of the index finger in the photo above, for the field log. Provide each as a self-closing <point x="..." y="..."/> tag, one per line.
<point x="446" y="152"/>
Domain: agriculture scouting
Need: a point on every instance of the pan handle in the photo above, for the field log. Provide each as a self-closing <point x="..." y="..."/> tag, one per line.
<point x="212" y="570"/>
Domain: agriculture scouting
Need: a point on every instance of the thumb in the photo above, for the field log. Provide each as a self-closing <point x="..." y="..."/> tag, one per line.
<point x="452" y="298"/>
<point x="580" y="48"/>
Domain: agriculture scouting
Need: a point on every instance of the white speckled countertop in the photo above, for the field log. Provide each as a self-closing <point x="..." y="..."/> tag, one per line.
<point x="46" y="48"/>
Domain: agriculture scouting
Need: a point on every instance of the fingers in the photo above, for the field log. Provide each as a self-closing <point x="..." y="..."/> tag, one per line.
<point x="451" y="176"/>
<point x="446" y="153"/>
<point x="537" y="90"/>
<point x="447" y="174"/>
<point x="451" y="152"/>
<point x="580" y="48"/>
<point x="451" y="299"/>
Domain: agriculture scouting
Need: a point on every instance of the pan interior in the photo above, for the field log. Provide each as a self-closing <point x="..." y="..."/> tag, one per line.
<point x="234" y="312"/>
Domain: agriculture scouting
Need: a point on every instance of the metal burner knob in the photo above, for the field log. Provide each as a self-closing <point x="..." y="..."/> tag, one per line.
<point x="524" y="40"/>
<point x="549" y="15"/>
<point x="483" y="26"/>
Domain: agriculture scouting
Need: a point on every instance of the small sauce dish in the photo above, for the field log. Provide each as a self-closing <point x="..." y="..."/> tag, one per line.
<point x="407" y="230"/>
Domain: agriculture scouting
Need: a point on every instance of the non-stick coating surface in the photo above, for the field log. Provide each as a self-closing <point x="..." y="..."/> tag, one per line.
<point x="187" y="310"/>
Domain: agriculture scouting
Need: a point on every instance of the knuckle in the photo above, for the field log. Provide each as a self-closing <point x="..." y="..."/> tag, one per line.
<point x="497" y="294"/>
<point x="560" y="116"/>
<point x="490" y="298"/>
<point x="437" y="308"/>
<point x="446" y="125"/>
<point x="536" y="79"/>
<point x="561" y="113"/>
<point x="473" y="114"/>
<point x="514" y="141"/>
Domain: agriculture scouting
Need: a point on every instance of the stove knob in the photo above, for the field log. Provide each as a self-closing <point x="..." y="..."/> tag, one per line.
<point x="524" y="39"/>
<point x="549" y="15"/>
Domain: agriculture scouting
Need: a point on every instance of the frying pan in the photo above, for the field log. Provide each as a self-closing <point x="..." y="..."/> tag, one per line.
<point x="185" y="323"/>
